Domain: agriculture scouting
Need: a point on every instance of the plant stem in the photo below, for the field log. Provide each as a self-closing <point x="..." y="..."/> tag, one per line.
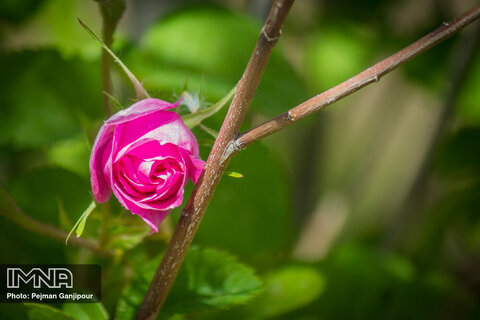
<point x="10" y="210"/>
<point x="229" y="143"/>
<point x="103" y="236"/>
<point x="215" y="166"/>
<point x="106" y="63"/>
<point x="370" y="75"/>
<point x="410" y="212"/>
<point x="112" y="11"/>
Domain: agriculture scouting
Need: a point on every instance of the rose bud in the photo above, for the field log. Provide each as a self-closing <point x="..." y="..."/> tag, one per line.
<point x="145" y="155"/>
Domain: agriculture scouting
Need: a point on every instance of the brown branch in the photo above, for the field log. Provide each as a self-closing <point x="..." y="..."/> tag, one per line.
<point x="227" y="143"/>
<point x="216" y="164"/>
<point x="370" y="75"/>
<point x="10" y="210"/>
<point x="410" y="212"/>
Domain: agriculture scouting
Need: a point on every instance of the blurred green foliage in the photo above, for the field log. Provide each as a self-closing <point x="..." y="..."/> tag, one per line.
<point x="208" y="279"/>
<point x="244" y="264"/>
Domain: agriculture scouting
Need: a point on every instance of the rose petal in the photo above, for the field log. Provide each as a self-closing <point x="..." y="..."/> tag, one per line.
<point x="198" y="166"/>
<point x="168" y="192"/>
<point x="140" y="109"/>
<point x="99" y="173"/>
<point x="145" y="155"/>
<point x="154" y="218"/>
<point x="134" y="205"/>
<point x="194" y="165"/>
<point x="149" y="149"/>
<point x="163" y="126"/>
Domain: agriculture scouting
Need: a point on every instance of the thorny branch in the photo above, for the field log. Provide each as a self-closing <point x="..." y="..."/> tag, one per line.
<point x="229" y="142"/>
<point x="370" y="75"/>
<point x="215" y="166"/>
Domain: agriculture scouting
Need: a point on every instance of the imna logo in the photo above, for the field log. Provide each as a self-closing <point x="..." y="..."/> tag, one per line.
<point x="51" y="278"/>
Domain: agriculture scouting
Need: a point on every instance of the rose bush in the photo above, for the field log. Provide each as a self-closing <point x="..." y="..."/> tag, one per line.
<point x="145" y="155"/>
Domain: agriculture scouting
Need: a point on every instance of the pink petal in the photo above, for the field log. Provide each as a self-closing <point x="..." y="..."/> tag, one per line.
<point x="148" y="149"/>
<point x="195" y="166"/>
<point x="101" y="152"/>
<point x="153" y="219"/>
<point x="145" y="156"/>
<point x="198" y="166"/>
<point x="136" y="206"/>
<point x="163" y="126"/>
<point x="140" y="109"/>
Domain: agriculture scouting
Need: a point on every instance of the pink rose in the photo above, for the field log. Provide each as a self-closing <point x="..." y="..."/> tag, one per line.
<point x="145" y="155"/>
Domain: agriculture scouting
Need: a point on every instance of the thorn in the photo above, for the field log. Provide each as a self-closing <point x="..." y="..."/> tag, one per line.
<point x="289" y="116"/>
<point x="269" y="38"/>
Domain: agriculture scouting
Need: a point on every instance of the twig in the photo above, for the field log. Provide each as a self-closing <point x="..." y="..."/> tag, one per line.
<point x="227" y="144"/>
<point x="216" y="164"/>
<point x="10" y="210"/>
<point x="112" y="11"/>
<point x="411" y="211"/>
<point x="370" y="75"/>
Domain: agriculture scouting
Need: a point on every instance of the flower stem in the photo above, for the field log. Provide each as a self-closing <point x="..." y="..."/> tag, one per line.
<point x="112" y="11"/>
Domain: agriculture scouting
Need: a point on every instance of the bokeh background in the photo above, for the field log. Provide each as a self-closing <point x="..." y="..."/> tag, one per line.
<point x="369" y="209"/>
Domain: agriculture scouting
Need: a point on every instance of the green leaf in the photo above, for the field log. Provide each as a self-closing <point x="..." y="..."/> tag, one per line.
<point x="36" y="311"/>
<point x="86" y="311"/>
<point x="288" y="289"/>
<point x="139" y="90"/>
<point x="211" y="278"/>
<point x="80" y="224"/>
<point x="193" y="119"/>
<point x="234" y="174"/>
<point x="208" y="279"/>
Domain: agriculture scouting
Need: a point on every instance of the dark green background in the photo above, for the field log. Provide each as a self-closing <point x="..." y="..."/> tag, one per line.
<point x="367" y="210"/>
